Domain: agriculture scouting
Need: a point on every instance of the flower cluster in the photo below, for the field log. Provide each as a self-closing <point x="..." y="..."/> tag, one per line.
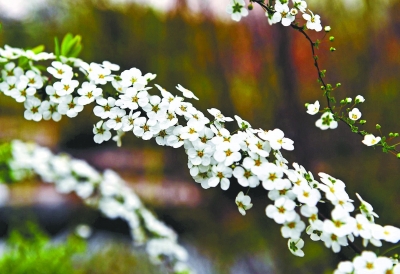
<point x="328" y="121"/>
<point x="280" y="12"/>
<point x="368" y="262"/>
<point x="248" y="156"/>
<point x="107" y="192"/>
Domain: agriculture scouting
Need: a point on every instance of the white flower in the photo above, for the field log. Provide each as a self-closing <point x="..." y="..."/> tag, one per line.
<point x="368" y="262"/>
<point x="150" y="76"/>
<point x="282" y="211"/>
<point x="311" y="212"/>
<point x="242" y="123"/>
<point x="243" y="202"/>
<point x="282" y="14"/>
<point x="344" y="268"/>
<point x="286" y="192"/>
<point x="162" y="136"/>
<point x="128" y="122"/>
<point x="262" y="148"/>
<point x="54" y="97"/>
<point x="69" y="106"/>
<point x="293" y="229"/>
<point x="132" y="98"/>
<point x="333" y="188"/>
<point x="313" y="108"/>
<point x="343" y="200"/>
<point x="22" y="92"/>
<point x="186" y="93"/>
<point x="155" y="109"/>
<point x="89" y="92"/>
<point x="175" y="140"/>
<point x="326" y="121"/>
<point x="99" y="74"/>
<point x="11" y="53"/>
<point x="390" y="234"/>
<point x="315" y="230"/>
<point x="200" y="153"/>
<point x="11" y="70"/>
<point x="116" y="115"/>
<point x="219" y="116"/>
<point x="102" y="132"/>
<point x="366" y="209"/>
<point x="342" y="223"/>
<point x="359" y="99"/>
<point x="295" y="246"/>
<point x="110" y="66"/>
<point x="133" y="77"/>
<point x="300" y="5"/>
<point x="237" y="9"/>
<point x="271" y="175"/>
<point x="245" y="177"/>
<point x="32" y="112"/>
<point x="147" y="129"/>
<point x="104" y="108"/>
<point x="220" y="174"/>
<point x="60" y="70"/>
<point x="276" y="139"/>
<point x="333" y="241"/>
<point x="33" y="79"/>
<point x="313" y="21"/>
<point x="354" y="114"/>
<point x="185" y="109"/>
<point x="227" y="153"/>
<point x="307" y="195"/>
<point x="370" y="140"/>
<point x="49" y="111"/>
<point x="65" y="86"/>
<point x="363" y="227"/>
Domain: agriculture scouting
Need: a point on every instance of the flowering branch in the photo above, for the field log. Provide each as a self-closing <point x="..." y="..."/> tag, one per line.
<point x="278" y="11"/>
<point x="107" y="192"/>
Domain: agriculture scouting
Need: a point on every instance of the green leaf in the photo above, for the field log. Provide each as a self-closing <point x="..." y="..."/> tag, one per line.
<point x="65" y="44"/>
<point x="38" y="49"/>
<point x="76" y="51"/>
<point x="71" y="45"/>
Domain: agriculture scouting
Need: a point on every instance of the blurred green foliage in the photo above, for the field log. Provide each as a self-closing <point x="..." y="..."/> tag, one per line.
<point x="30" y="251"/>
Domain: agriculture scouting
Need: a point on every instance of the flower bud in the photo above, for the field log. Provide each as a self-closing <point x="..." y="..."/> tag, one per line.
<point x="327" y="29"/>
<point x="332" y="49"/>
<point x="331" y="38"/>
<point x="378" y="126"/>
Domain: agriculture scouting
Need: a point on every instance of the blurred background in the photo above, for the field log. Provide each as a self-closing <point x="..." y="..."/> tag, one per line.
<point x="263" y="74"/>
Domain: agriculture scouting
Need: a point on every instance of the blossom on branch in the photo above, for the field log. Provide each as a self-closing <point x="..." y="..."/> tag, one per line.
<point x="371" y="140"/>
<point x="237" y="10"/>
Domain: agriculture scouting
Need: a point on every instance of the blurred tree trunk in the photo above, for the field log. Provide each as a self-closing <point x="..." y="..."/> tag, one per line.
<point x="290" y="113"/>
